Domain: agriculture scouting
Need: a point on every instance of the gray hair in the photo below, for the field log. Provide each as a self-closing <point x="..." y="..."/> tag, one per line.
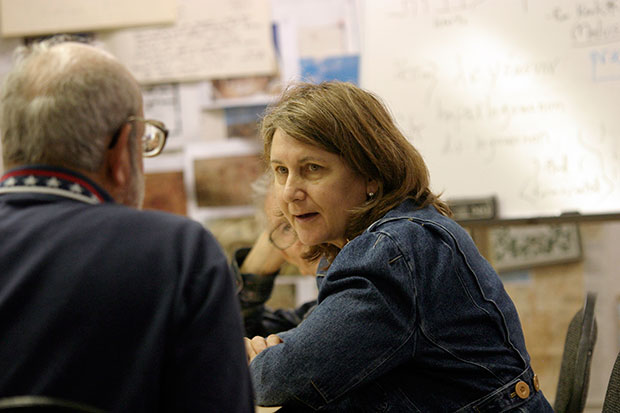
<point x="62" y="102"/>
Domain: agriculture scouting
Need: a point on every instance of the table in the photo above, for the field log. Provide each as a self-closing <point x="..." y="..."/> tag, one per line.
<point x="260" y="409"/>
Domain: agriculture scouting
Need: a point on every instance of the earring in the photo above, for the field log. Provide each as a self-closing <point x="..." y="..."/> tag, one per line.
<point x="371" y="194"/>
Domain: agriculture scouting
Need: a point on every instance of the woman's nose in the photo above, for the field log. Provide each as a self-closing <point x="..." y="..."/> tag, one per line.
<point x="293" y="190"/>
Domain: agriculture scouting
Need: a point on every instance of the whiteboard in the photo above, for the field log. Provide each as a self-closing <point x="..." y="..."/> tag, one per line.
<point x="515" y="99"/>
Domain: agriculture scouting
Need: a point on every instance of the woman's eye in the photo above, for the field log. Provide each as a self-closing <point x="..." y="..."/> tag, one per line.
<point x="280" y="170"/>
<point x="313" y="167"/>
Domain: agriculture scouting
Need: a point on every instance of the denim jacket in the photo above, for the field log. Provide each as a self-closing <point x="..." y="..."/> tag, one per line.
<point x="410" y="318"/>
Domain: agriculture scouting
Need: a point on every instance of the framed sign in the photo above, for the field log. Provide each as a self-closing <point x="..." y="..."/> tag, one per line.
<point x="525" y="246"/>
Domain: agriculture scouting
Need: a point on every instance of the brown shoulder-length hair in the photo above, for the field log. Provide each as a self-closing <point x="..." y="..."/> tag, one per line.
<point x="344" y="119"/>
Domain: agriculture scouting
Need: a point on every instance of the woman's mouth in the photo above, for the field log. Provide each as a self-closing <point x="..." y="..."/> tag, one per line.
<point x="306" y="217"/>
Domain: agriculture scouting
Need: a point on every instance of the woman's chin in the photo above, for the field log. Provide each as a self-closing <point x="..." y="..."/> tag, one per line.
<point x="309" y="241"/>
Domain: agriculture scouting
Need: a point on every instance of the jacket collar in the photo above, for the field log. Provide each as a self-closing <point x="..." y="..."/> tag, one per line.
<point x="57" y="181"/>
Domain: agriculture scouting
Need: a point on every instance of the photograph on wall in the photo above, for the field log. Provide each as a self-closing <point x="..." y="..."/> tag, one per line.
<point x="165" y="191"/>
<point x="245" y="87"/>
<point x="283" y="295"/>
<point x="243" y="122"/>
<point x="234" y="232"/>
<point x="292" y="291"/>
<point x="342" y="68"/>
<point x="218" y="177"/>
<point x="226" y="181"/>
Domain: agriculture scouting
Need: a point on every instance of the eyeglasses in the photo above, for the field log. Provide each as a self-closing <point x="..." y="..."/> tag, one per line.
<point x="153" y="140"/>
<point x="283" y="236"/>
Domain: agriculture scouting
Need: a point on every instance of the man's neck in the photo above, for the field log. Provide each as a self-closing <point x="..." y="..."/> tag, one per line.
<point x="53" y="180"/>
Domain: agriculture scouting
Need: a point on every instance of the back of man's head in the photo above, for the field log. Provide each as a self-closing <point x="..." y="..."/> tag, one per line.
<point x="61" y="103"/>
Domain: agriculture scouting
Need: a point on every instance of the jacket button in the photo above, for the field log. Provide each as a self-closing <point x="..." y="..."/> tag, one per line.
<point x="536" y="383"/>
<point x="522" y="389"/>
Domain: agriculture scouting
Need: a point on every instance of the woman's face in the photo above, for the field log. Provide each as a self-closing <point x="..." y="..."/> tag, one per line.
<point x="315" y="190"/>
<point x="293" y="253"/>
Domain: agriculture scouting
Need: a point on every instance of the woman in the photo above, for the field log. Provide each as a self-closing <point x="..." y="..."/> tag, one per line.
<point x="410" y="317"/>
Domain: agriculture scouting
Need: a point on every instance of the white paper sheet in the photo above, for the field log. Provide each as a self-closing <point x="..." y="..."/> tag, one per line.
<point x="36" y="17"/>
<point x="177" y="105"/>
<point x="211" y="39"/>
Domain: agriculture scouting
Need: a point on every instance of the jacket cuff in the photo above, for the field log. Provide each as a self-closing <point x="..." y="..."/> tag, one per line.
<point x="252" y="288"/>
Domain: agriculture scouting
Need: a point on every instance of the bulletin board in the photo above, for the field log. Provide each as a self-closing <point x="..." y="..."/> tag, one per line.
<point x="518" y="99"/>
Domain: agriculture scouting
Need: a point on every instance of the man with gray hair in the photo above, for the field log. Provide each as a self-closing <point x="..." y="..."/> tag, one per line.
<point x="102" y="304"/>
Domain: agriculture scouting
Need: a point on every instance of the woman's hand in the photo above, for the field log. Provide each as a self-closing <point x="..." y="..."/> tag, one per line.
<point x="258" y="344"/>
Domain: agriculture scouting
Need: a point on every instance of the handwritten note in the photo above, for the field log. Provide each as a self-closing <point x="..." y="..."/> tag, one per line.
<point x="211" y="39"/>
<point x="37" y="17"/>
<point x="517" y="99"/>
<point x="177" y="105"/>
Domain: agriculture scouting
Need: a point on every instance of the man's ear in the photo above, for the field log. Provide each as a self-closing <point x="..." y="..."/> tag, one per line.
<point x="118" y="159"/>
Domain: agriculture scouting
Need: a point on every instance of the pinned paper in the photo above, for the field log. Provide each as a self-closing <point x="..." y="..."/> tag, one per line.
<point x="40" y="17"/>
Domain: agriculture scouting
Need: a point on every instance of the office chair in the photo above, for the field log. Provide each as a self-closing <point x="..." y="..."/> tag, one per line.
<point x="574" y="380"/>
<point x="22" y="404"/>
<point x="612" y="398"/>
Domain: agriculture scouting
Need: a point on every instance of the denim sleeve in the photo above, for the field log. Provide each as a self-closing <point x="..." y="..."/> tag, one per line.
<point x="361" y="328"/>
<point x="253" y="291"/>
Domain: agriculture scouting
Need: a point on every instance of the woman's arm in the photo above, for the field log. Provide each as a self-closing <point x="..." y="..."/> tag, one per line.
<point x="361" y="328"/>
<point x="255" y="270"/>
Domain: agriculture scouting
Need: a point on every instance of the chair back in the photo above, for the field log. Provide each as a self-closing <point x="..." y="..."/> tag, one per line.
<point x="574" y="380"/>
<point x="612" y="398"/>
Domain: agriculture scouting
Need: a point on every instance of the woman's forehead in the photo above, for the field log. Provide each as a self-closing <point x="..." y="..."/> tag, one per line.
<point x="285" y="146"/>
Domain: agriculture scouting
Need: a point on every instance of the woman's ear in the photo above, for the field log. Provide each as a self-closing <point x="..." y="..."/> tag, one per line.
<point x="372" y="186"/>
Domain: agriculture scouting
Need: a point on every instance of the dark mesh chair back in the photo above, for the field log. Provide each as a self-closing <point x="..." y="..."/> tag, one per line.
<point x="574" y="380"/>
<point x="612" y="398"/>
